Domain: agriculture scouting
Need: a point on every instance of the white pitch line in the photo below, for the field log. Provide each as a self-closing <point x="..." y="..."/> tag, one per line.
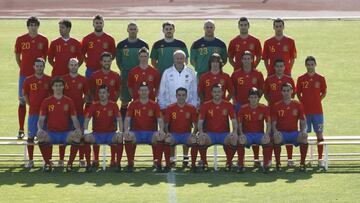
<point x="172" y="187"/>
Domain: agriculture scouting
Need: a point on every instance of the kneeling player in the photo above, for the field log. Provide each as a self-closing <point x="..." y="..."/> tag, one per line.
<point x="141" y="127"/>
<point x="285" y="117"/>
<point x="105" y="115"/>
<point x="57" y="111"/>
<point x="251" y="119"/>
<point x="213" y="126"/>
<point x="179" y="119"/>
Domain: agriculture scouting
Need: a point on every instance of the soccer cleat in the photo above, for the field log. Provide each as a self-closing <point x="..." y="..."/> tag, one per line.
<point x="88" y="169"/>
<point x="157" y="169"/>
<point x="240" y="169"/>
<point x="193" y="169"/>
<point x="265" y="170"/>
<point x="29" y="164"/>
<point x="82" y="163"/>
<point x="21" y="135"/>
<point x="61" y="163"/>
<point x="172" y="164"/>
<point x="167" y="169"/>
<point x="321" y="164"/>
<point x="118" y="168"/>
<point x="290" y="163"/>
<point x="47" y="168"/>
<point x="278" y="167"/>
<point x="129" y="169"/>
<point x="270" y="163"/>
<point x="205" y="168"/>
<point x="302" y="168"/>
<point x="95" y="163"/>
<point x="69" y="168"/>
<point x="185" y="162"/>
<point x="112" y="163"/>
<point x="228" y="167"/>
<point x="257" y="163"/>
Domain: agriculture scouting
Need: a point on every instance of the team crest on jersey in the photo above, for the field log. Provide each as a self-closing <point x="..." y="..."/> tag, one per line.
<point x="254" y="81"/>
<point x="112" y="82"/>
<point x="110" y="113"/>
<point x="295" y="112"/>
<point x="72" y="49"/>
<point x="105" y="45"/>
<point x="40" y="46"/>
<point x="261" y="116"/>
<point x="187" y="115"/>
<point x="151" y="78"/>
<point x="273" y="86"/>
<point x="66" y="107"/>
<point x="79" y="86"/>
<point x="225" y="112"/>
<point x="317" y="84"/>
<point x="251" y="46"/>
<point x="150" y="112"/>
<point x="285" y="48"/>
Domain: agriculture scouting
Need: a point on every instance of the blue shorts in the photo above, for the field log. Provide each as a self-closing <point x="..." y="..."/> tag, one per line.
<point x="217" y="138"/>
<point x="88" y="72"/>
<point x="290" y="138"/>
<point x="181" y="138"/>
<point x="143" y="137"/>
<point x="58" y="137"/>
<point x="253" y="138"/>
<point x="32" y="125"/>
<point x="21" y="82"/>
<point x="104" y="138"/>
<point x="237" y="107"/>
<point x="316" y="121"/>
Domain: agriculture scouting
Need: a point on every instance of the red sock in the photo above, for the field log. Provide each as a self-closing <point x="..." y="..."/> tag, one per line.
<point x="81" y="151"/>
<point x="157" y="150"/>
<point x="44" y="153"/>
<point x="87" y="151"/>
<point x="96" y="150"/>
<point x="153" y="150"/>
<point x="241" y="153"/>
<point x="255" y="149"/>
<point x="194" y="151"/>
<point x="73" y="151"/>
<point x="303" y="152"/>
<point x="119" y="151"/>
<point x="21" y="116"/>
<point x="30" y="149"/>
<point x="167" y="154"/>
<point x="50" y="151"/>
<point x="289" y="150"/>
<point x="230" y="155"/>
<point x="266" y="154"/>
<point x="203" y="151"/>
<point x="62" y="149"/>
<point x="130" y="153"/>
<point x="320" y="149"/>
<point x="277" y="152"/>
<point x="271" y="152"/>
<point x="113" y="152"/>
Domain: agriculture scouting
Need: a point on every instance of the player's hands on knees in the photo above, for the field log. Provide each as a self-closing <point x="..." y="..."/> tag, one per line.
<point x="265" y="139"/>
<point x="128" y="136"/>
<point x="119" y="138"/>
<point x="41" y="135"/>
<point x="303" y="136"/>
<point x="278" y="137"/>
<point x="233" y="139"/>
<point x="202" y="138"/>
<point x="89" y="137"/>
<point x="242" y="139"/>
<point x="193" y="138"/>
<point x="159" y="136"/>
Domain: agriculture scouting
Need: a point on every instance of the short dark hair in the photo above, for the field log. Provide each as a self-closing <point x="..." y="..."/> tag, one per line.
<point x="286" y="84"/>
<point x="181" y="89"/>
<point x="143" y="50"/>
<point x="310" y="58"/>
<point x="246" y="53"/>
<point x="132" y="24"/>
<point x="65" y="22"/>
<point x="98" y="17"/>
<point x="278" y="20"/>
<point x="105" y="54"/>
<point x="254" y="91"/>
<point x="57" y="79"/>
<point x="279" y="60"/>
<point x="216" y="85"/>
<point x="105" y="87"/>
<point x="168" y="23"/>
<point x="41" y="60"/>
<point x="32" y="20"/>
<point x="215" y="57"/>
<point x="243" y="19"/>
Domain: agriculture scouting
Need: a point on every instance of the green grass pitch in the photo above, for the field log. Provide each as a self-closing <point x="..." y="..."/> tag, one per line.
<point x="334" y="44"/>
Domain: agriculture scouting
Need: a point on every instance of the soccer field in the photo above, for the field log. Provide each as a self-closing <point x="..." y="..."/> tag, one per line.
<point x="333" y="43"/>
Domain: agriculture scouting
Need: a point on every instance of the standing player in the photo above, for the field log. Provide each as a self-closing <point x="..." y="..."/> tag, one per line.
<point x="163" y="50"/>
<point x="179" y="118"/>
<point x="105" y="76"/>
<point x="279" y="46"/>
<point x="28" y="47"/>
<point x="104" y="113"/>
<point x="244" y="42"/>
<point x="77" y="88"/>
<point x="215" y="75"/>
<point x="141" y="127"/>
<point x="251" y="119"/>
<point x="273" y="94"/>
<point x="64" y="48"/>
<point x="286" y="115"/>
<point x="94" y="44"/>
<point x="244" y="79"/>
<point x="143" y="72"/>
<point x="178" y="75"/>
<point x="203" y="48"/>
<point x="127" y="57"/>
<point x="35" y="90"/>
<point x="214" y="126"/>
<point x="58" y="110"/>
<point x="311" y="90"/>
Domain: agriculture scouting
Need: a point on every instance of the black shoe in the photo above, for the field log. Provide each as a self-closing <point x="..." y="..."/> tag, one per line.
<point x="265" y="170"/>
<point x="278" y="167"/>
<point x="240" y="169"/>
<point x="172" y="164"/>
<point x="205" y="168"/>
<point x="228" y="167"/>
<point x="193" y="169"/>
<point x="21" y="135"/>
<point x="130" y="169"/>
<point x="47" y="168"/>
<point x="185" y="162"/>
<point x="167" y="169"/>
<point x="88" y="169"/>
<point x="118" y="168"/>
<point x="257" y="164"/>
<point x="157" y="169"/>
<point x="69" y="168"/>
<point x="95" y="164"/>
<point x="302" y="168"/>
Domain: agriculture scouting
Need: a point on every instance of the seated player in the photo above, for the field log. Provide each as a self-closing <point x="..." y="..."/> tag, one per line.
<point x="58" y="110"/>
<point x="180" y="117"/>
<point x="251" y="119"/>
<point x="106" y="119"/>
<point x="214" y="128"/>
<point x="285" y="117"/>
<point x="35" y="89"/>
<point x="141" y="127"/>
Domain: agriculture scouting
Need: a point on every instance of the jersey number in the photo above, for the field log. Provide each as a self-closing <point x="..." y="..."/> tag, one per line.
<point x="203" y="51"/>
<point x="281" y="113"/>
<point x="25" y="45"/>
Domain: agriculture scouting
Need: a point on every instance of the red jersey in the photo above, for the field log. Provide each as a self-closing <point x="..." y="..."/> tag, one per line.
<point x="37" y="89"/>
<point x="30" y="48"/>
<point x="272" y="88"/>
<point x="216" y="116"/>
<point x="143" y="116"/>
<point x="252" y="119"/>
<point x="111" y="80"/>
<point x="76" y="88"/>
<point x="104" y="116"/>
<point x="93" y="46"/>
<point x="180" y="119"/>
<point x="243" y="82"/>
<point x="238" y="46"/>
<point x="309" y="91"/>
<point x="138" y="75"/>
<point x="287" y="115"/>
<point x="61" y="51"/>
<point x="58" y="113"/>
<point x="208" y="79"/>
<point x="275" y="49"/>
